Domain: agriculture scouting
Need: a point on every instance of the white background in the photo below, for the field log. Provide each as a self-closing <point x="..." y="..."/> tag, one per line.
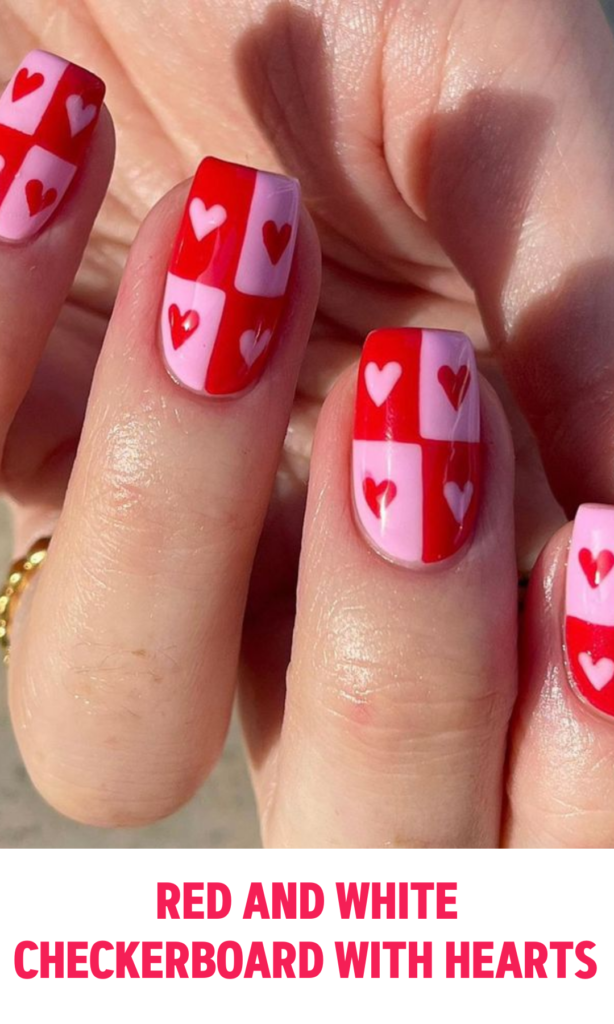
<point x="89" y="895"/>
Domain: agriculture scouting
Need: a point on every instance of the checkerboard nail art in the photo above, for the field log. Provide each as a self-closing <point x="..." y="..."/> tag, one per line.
<point x="48" y="112"/>
<point x="228" y="277"/>
<point x="589" y="612"/>
<point x="416" y="449"/>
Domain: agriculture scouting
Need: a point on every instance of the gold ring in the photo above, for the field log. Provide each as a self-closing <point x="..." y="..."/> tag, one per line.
<point x="19" y="576"/>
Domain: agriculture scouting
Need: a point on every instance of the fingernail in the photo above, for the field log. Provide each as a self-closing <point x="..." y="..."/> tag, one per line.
<point x="416" y="451"/>
<point x="228" y="277"/>
<point x="589" y="606"/>
<point x="47" y="115"/>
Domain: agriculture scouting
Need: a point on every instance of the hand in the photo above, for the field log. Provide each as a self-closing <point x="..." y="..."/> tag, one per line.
<point x="469" y="152"/>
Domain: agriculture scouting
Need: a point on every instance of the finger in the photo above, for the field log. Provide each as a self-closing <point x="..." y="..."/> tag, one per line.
<point x="517" y="183"/>
<point x="123" y="678"/>
<point x="55" y="164"/>
<point x="402" y="679"/>
<point x="561" y="790"/>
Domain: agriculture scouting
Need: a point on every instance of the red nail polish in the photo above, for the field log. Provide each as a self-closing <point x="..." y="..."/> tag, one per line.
<point x="228" y="277"/>
<point x="416" y="452"/>
<point x="48" y="112"/>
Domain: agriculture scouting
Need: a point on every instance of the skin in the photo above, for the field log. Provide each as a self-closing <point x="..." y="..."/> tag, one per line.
<point x="444" y="155"/>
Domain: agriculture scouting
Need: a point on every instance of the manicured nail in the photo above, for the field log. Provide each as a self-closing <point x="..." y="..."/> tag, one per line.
<point x="47" y="115"/>
<point x="228" y="277"/>
<point x="416" y="451"/>
<point x="589" y="611"/>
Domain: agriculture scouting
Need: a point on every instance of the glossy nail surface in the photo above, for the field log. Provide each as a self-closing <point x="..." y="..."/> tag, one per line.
<point x="228" y="276"/>
<point x="416" y="451"/>
<point x="48" y="112"/>
<point x="589" y="622"/>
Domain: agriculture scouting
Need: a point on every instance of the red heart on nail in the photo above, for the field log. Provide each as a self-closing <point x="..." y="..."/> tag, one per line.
<point x="596" y="569"/>
<point x="26" y="83"/>
<point x="276" y="239"/>
<point x="37" y="198"/>
<point x="182" y="324"/>
<point x="379" y="496"/>
<point x="454" y="384"/>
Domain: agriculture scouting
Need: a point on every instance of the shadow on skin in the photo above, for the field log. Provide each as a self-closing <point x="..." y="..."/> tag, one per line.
<point x="482" y="170"/>
<point x="485" y="164"/>
<point x="284" y="66"/>
<point x="578" y="398"/>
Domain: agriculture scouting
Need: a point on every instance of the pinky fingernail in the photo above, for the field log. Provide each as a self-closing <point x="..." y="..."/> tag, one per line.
<point x="416" y="450"/>
<point x="48" y="112"/>
<point x="589" y="606"/>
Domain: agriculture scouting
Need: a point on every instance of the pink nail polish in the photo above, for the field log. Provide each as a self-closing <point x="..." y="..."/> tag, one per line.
<point x="589" y="612"/>
<point x="48" y="112"/>
<point x="228" y="277"/>
<point x="416" y="451"/>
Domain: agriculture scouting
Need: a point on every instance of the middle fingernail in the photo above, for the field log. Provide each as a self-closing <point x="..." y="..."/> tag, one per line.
<point x="416" y="451"/>
<point x="228" y="277"/>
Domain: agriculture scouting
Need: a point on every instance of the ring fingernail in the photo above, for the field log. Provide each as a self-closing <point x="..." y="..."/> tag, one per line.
<point x="589" y="611"/>
<point x="228" y="277"/>
<point x="416" y="450"/>
<point x="48" y="112"/>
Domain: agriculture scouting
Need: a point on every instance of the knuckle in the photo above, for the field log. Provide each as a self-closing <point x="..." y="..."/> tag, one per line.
<point x="386" y="686"/>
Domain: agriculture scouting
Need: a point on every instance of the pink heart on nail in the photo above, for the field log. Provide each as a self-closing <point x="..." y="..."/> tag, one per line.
<point x="458" y="499"/>
<point x="79" y="114"/>
<point x="599" y="673"/>
<point x="204" y="220"/>
<point x="380" y="381"/>
<point x="253" y="345"/>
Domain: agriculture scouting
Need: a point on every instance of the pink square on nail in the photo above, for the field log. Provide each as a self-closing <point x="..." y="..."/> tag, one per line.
<point x="29" y="93"/>
<point x="387" y="489"/>
<point x="38" y="187"/>
<point x="449" y="392"/>
<point x="191" y="316"/>
<point x="268" y="245"/>
<point x="590" y="596"/>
